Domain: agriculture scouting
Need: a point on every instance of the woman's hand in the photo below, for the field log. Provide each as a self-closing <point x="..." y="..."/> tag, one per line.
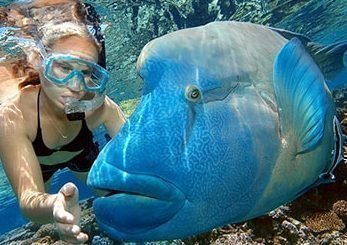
<point x="66" y="215"/>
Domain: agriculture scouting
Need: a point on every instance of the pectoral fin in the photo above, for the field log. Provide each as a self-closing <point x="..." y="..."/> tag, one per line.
<point x="302" y="95"/>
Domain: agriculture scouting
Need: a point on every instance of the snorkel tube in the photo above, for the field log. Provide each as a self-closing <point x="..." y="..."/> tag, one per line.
<point x="76" y="109"/>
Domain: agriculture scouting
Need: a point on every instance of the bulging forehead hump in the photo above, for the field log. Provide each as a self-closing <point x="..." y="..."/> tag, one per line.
<point x="222" y="48"/>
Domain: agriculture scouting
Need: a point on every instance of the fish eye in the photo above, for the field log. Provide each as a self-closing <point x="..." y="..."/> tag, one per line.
<point x="193" y="93"/>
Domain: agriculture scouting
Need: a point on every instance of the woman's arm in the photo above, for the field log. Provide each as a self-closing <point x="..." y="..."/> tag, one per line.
<point x="22" y="167"/>
<point x="24" y="173"/>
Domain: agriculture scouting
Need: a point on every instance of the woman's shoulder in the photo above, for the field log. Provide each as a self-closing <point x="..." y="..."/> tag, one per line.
<point x="24" y="97"/>
<point x="19" y="109"/>
<point x="8" y="83"/>
<point x="110" y="104"/>
<point x="108" y="109"/>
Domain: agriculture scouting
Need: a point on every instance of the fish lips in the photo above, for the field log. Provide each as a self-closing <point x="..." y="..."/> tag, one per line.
<point x="137" y="202"/>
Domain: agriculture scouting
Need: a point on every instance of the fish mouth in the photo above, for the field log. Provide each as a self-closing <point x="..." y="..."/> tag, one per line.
<point x="136" y="203"/>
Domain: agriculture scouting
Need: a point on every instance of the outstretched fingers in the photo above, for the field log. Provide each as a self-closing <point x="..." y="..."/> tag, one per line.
<point x="71" y="233"/>
<point x="66" y="214"/>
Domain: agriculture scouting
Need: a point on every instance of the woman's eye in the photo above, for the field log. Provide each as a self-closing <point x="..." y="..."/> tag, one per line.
<point x="193" y="93"/>
<point x="91" y="83"/>
<point x="87" y="73"/>
<point x="65" y="68"/>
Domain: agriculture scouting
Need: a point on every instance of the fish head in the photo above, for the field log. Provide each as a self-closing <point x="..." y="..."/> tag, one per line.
<point x="184" y="161"/>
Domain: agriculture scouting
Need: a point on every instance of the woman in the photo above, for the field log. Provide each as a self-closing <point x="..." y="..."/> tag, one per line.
<point x="47" y="126"/>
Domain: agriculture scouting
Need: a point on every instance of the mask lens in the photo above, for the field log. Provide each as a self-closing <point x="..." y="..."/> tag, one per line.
<point x="95" y="79"/>
<point x="60" y="69"/>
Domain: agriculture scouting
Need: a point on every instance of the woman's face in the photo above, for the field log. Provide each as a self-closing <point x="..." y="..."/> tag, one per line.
<point x="79" y="47"/>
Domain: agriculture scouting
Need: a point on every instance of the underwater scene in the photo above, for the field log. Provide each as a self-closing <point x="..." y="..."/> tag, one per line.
<point x="235" y="123"/>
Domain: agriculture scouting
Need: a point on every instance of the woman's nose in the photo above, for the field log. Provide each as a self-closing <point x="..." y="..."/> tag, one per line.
<point x="75" y="84"/>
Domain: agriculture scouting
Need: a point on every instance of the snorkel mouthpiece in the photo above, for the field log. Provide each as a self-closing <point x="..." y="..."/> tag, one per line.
<point x="75" y="109"/>
<point x="76" y="116"/>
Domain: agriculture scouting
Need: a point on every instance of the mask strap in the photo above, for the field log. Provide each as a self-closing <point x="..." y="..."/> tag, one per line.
<point x="41" y="48"/>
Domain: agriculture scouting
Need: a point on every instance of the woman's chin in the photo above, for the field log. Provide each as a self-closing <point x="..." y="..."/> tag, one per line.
<point x="60" y="104"/>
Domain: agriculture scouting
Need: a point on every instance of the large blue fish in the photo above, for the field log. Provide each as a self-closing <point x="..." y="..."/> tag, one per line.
<point x="235" y="120"/>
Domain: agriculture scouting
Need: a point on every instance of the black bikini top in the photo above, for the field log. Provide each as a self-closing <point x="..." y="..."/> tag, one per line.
<point x="80" y="142"/>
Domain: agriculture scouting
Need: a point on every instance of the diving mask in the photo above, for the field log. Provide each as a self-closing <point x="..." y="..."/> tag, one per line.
<point x="71" y="71"/>
<point x="62" y="69"/>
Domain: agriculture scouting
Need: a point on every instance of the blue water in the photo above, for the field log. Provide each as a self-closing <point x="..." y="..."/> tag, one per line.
<point x="322" y="20"/>
<point x="9" y="209"/>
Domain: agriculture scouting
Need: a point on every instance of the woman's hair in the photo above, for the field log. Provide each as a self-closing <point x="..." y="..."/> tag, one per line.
<point x="57" y="22"/>
<point x="24" y="68"/>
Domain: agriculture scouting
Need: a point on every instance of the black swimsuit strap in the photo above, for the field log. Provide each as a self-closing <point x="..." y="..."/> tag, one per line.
<point x="38" y="109"/>
<point x="84" y="125"/>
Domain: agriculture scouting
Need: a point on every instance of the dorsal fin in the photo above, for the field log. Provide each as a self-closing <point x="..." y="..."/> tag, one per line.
<point x="290" y="35"/>
<point x="331" y="61"/>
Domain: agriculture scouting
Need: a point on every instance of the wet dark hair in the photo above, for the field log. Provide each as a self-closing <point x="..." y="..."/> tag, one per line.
<point x="20" y="68"/>
<point x="95" y="29"/>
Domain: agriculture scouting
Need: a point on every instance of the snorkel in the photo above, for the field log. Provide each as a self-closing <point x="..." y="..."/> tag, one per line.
<point x="76" y="109"/>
